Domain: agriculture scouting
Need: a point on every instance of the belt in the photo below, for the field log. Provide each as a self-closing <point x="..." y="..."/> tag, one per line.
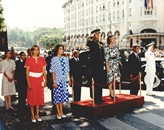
<point x="112" y="58"/>
<point x="37" y="75"/>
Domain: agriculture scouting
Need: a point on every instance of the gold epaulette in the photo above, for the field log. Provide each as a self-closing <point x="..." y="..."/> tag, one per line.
<point x="89" y="38"/>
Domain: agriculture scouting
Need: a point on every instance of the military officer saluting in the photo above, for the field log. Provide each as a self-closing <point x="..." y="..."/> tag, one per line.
<point x="96" y="63"/>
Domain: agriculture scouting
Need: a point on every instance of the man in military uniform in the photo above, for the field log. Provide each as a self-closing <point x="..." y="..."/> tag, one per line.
<point x="96" y="64"/>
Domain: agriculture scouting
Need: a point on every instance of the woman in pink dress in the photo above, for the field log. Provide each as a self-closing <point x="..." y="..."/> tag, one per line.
<point x="36" y="80"/>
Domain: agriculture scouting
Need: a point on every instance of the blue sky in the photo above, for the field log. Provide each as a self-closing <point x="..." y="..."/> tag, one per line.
<point x="31" y="13"/>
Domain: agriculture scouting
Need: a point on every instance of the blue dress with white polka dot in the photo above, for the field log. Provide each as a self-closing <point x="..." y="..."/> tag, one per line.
<point x="60" y="66"/>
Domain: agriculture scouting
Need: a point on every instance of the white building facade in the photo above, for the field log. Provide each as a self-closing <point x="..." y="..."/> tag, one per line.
<point x="132" y="21"/>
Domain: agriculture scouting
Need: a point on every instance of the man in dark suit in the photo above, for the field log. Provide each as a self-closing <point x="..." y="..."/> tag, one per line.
<point x="76" y="74"/>
<point x="134" y="62"/>
<point x="49" y="75"/>
<point x="96" y="64"/>
<point x="20" y="80"/>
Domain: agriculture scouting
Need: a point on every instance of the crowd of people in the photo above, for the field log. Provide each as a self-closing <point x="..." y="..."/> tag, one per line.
<point x="30" y="74"/>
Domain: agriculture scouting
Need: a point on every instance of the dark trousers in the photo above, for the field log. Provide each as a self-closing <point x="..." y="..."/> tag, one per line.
<point x="77" y="92"/>
<point x="52" y="96"/>
<point x="22" y="94"/>
<point x="134" y="87"/>
<point x="97" y="89"/>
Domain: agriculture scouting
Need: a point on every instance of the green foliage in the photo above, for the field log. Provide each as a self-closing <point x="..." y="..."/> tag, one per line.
<point x="2" y="24"/>
<point x="45" y="37"/>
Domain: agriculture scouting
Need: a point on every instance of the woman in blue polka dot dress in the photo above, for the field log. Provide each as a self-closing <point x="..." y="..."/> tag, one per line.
<point x="60" y="73"/>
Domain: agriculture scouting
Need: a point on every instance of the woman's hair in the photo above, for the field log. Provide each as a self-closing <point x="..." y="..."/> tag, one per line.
<point x="33" y="48"/>
<point x="7" y="51"/>
<point x="108" y="38"/>
<point x="57" y="48"/>
<point x="4" y="57"/>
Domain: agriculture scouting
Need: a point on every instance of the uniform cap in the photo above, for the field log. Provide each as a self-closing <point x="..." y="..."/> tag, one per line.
<point x="135" y="45"/>
<point x="95" y="31"/>
<point x="150" y="44"/>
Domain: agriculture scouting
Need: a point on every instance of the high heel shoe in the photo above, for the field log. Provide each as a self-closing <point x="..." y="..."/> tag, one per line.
<point x="63" y="116"/>
<point x="113" y="96"/>
<point x="58" y="117"/>
<point x="38" y="119"/>
<point x="33" y="120"/>
<point x="11" y="107"/>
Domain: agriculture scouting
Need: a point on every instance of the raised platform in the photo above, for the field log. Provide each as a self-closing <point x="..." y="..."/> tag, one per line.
<point x="124" y="103"/>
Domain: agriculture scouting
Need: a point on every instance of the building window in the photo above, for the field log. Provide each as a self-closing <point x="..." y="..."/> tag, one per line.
<point x="96" y="8"/>
<point x="155" y="9"/>
<point x="130" y="12"/>
<point x="103" y="17"/>
<point x="114" y="4"/>
<point x="122" y="2"/>
<point x="130" y="1"/>
<point x="113" y="15"/>
<point x="123" y="14"/>
<point x="100" y="17"/>
<point x="118" y="14"/>
<point x="117" y="3"/>
<point x="92" y="10"/>
<point x="96" y="19"/>
<point x="148" y="12"/>
<point x="108" y="5"/>
<point x="109" y="16"/>
<point x="141" y="11"/>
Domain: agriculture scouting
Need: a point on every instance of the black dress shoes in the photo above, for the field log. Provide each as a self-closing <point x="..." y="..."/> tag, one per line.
<point x="113" y="96"/>
<point x="98" y="102"/>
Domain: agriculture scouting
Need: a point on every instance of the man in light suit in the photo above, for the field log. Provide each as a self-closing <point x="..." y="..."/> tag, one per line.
<point x="134" y="62"/>
<point x="150" y="69"/>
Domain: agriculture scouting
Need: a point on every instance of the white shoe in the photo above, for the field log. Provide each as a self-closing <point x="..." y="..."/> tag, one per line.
<point x="150" y="94"/>
<point x="33" y="120"/>
<point x="63" y="116"/>
<point x="59" y="117"/>
<point x="38" y="119"/>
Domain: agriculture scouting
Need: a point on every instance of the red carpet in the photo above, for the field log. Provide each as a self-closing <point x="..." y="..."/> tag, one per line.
<point x="124" y="103"/>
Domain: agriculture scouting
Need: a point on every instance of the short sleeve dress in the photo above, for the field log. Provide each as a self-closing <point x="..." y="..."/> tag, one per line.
<point x="60" y="66"/>
<point x="35" y="96"/>
<point x="112" y="56"/>
<point x="8" y="88"/>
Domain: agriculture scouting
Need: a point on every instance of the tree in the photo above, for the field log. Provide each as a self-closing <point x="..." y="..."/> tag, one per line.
<point x="2" y="24"/>
<point x="46" y="37"/>
<point x="50" y="40"/>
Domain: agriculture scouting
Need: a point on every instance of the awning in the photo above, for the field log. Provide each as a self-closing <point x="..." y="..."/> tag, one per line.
<point x="143" y="34"/>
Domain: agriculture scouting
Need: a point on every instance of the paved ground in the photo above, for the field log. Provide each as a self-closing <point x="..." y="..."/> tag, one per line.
<point x="148" y="117"/>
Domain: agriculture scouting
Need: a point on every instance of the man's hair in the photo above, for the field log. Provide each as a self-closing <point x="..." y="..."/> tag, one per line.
<point x="21" y="53"/>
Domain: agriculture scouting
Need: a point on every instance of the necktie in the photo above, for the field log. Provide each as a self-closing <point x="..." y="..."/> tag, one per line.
<point x="138" y="58"/>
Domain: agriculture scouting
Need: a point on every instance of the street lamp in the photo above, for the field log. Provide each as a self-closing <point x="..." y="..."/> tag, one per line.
<point x="110" y="17"/>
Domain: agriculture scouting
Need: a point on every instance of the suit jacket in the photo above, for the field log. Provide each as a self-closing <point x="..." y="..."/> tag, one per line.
<point x="97" y="59"/>
<point x="134" y="65"/>
<point x="76" y="70"/>
<point x="49" y="75"/>
<point x="20" y="73"/>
